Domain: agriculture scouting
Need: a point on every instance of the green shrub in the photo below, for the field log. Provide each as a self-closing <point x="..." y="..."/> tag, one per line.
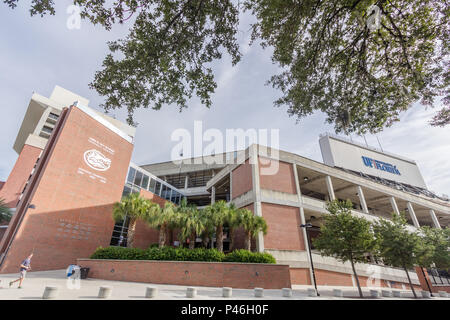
<point x="249" y="257"/>
<point x="165" y="253"/>
<point x="154" y="245"/>
<point x="118" y="253"/>
<point x="181" y="254"/>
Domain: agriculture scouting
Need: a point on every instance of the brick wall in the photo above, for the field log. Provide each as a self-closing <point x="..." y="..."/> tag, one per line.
<point x="19" y="175"/>
<point x="208" y="274"/>
<point x="301" y="276"/>
<point x="241" y="179"/>
<point x="283" y="180"/>
<point x="423" y="282"/>
<point x="283" y="224"/>
<point x="73" y="214"/>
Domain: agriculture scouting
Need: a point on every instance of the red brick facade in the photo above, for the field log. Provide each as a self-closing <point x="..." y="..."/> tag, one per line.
<point x="426" y="284"/>
<point x="282" y="181"/>
<point x="209" y="274"/>
<point x="241" y="180"/>
<point x="19" y="175"/>
<point x="284" y="231"/>
<point x="73" y="202"/>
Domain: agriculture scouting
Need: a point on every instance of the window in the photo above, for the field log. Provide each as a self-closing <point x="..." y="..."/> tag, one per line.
<point x="164" y="191"/>
<point x="126" y="191"/>
<point x="53" y="116"/>
<point x="158" y="188"/>
<point x="152" y="187"/>
<point x="47" y="129"/>
<point x="136" y="190"/>
<point x="145" y="182"/>
<point x="138" y="178"/>
<point x="174" y="196"/>
<point x="131" y="174"/>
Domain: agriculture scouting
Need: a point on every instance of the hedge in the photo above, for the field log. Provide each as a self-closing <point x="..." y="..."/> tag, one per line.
<point x="181" y="254"/>
<point x="250" y="257"/>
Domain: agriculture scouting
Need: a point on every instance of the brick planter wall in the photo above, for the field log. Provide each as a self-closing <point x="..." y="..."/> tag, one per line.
<point x="208" y="274"/>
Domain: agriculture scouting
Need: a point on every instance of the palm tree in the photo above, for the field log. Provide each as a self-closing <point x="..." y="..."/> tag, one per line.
<point x="191" y="224"/>
<point x="161" y="219"/>
<point x="208" y="226"/>
<point x="252" y="226"/>
<point x="5" y="212"/>
<point x="217" y="212"/>
<point x="175" y="222"/>
<point x="133" y="207"/>
<point x="233" y="221"/>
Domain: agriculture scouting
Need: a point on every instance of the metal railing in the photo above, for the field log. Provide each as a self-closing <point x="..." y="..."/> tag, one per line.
<point x="439" y="277"/>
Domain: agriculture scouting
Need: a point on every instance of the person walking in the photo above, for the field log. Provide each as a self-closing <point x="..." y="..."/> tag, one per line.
<point x="24" y="267"/>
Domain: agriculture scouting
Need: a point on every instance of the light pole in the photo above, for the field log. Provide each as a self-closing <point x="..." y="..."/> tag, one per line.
<point x="307" y="226"/>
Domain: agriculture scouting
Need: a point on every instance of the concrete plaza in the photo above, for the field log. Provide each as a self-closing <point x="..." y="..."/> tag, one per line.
<point x="35" y="283"/>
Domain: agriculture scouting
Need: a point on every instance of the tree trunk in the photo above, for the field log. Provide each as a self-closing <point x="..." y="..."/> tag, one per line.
<point x="192" y="241"/>
<point x="205" y="240"/>
<point x="219" y="238"/>
<point x="170" y="237"/>
<point x="357" y="280"/>
<point x="426" y="280"/>
<point x="162" y="236"/>
<point x="131" y="232"/>
<point x="248" y="241"/>
<point x="231" y="236"/>
<point x="410" y="283"/>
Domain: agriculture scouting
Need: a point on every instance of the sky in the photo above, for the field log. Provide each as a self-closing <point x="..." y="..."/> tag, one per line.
<point x="38" y="53"/>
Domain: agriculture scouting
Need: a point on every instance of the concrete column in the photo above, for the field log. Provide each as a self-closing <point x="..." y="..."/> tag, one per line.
<point x="302" y="220"/>
<point x="253" y="160"/>
<point x="231" y="186"/>
<point x="213" y="195"/>
<point x="394" y="205"/>
<point x="362" y="200"/>
<point x="412" y="214"/>
<point x="330" y="188"/>
<point x="435" y="219"/>
<point x="186" y="180"/>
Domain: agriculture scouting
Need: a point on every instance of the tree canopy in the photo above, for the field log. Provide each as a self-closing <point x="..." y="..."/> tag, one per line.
<point x="361" y="62"/>
<point x="398" y="246"/>
<point x="345" y="236"/>
<point x="435" y="247"/>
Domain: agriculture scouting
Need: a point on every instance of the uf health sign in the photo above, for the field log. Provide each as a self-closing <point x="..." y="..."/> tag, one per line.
<point x="380" y="165"/>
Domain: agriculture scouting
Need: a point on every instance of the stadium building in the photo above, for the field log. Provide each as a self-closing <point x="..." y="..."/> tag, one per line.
<point x="74" y="163"/>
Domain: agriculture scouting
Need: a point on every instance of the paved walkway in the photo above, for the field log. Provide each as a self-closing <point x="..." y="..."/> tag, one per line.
<point x="35" y="282"/>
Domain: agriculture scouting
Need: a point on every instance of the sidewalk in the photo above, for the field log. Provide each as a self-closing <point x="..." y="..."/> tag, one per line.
<point x="35" y="282"/>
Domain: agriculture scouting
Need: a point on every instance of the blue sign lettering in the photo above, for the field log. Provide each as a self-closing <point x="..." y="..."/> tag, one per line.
<point x="380" y="165"/>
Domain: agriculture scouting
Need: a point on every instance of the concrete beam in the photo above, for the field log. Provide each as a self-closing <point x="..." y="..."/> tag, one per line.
<point x="186" y="181"/>
<point x="254" y="161"/>
<point x="412" y="214"/>
<point x="345" y="188"/>
<point x="362" y="200"/>
<point x="302" y="219"/>
<point x="213" y="195"/>
<point x="394" y="205"/>
<point x="435" y="219"/>
<point x="330" y="188"/>
<point x="312" y="180"/>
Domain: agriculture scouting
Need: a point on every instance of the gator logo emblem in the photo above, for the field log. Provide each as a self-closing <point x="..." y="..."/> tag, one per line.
<point x="96" y="160"/>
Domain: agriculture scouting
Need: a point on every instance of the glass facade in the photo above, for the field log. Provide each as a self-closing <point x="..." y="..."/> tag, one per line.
<point x="138" y="179"/>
